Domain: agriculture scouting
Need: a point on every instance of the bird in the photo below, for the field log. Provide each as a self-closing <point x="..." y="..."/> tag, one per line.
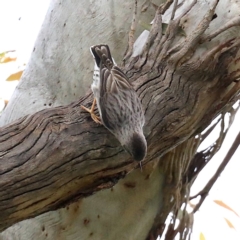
<point x="119" y="106"/>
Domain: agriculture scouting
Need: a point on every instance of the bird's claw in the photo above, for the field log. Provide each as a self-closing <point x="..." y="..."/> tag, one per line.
<point x="94" y="117"/>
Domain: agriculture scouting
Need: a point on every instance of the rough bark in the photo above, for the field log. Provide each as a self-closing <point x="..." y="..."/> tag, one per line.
<point x="58" y="155"/>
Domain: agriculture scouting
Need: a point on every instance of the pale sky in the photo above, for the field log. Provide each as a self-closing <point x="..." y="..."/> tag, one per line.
<point x="20" y="21"/>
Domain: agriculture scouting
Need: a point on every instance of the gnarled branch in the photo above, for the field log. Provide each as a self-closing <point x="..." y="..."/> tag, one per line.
<point x="58" y="155"/>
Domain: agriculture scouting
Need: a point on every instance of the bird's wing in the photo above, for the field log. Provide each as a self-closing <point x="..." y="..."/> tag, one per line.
<point x="113" y="81"/>
<point x="112" y="78"/>
<point x="118" y="99"/>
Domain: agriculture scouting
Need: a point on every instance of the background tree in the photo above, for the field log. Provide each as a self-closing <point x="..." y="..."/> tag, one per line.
<point x="185" y="71"/>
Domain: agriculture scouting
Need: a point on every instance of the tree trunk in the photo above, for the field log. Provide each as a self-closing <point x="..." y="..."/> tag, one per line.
<point x="185" y="75"/>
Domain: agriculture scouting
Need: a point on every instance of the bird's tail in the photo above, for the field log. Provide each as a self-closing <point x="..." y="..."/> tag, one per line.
<point x="102" y="55"/>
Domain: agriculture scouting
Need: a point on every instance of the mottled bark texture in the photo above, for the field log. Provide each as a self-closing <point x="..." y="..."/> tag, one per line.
<point x="58" y="155"/>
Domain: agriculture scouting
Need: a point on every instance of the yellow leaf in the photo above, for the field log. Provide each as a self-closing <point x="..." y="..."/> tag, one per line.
<point x="222" y="204"/>
<point x="7" y="59"/>
<point x="201" y="236"/>
<point x="229" y="223"/>
<point x="15" y="76"/>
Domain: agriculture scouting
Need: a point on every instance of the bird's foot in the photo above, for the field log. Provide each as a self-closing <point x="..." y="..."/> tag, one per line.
<point x="94" y="117"/>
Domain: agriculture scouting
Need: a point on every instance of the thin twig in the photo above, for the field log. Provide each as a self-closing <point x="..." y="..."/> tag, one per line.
<point x="170" y="34"/>
<point x="204" y="192"/>
<point x="187" y="9"/>
<point x="234" y="22"/>
<point x="155" y="33"/>
<point x="131" y="33"/>
<point x="191" y="41"/>
<point x="218" y="50"/>
<point x="166" y="6"/>
<point x="175" y="5"/>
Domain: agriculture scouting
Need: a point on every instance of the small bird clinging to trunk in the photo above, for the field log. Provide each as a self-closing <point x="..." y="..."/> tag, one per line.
<point x="118" y="103"/>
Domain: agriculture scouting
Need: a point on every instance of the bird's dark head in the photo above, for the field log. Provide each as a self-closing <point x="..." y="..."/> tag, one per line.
<point x="137" y="146"/>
